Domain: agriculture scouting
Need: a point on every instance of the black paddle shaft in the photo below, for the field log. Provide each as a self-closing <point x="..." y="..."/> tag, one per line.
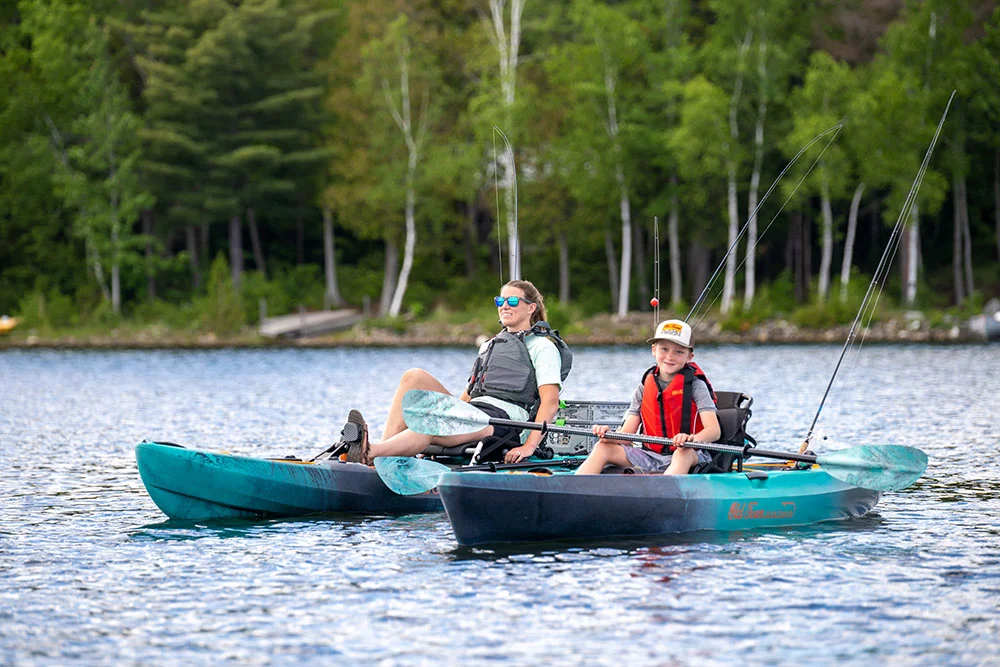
<point x="742" y="452"/>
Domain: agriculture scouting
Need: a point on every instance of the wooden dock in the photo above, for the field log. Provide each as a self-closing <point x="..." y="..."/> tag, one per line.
<point x="307" y="324"/>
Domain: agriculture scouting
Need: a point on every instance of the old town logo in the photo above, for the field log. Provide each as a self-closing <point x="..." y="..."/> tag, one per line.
<point x="740" y="510"/>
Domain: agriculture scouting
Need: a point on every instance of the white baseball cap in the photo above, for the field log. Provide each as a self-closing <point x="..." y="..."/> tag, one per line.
<point x="676" y="331"/>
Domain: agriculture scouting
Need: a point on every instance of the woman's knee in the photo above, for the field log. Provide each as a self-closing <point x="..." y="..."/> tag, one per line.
<point x="416" y="377"/>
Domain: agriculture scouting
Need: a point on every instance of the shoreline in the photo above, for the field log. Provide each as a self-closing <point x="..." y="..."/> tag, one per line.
<point x="598" y="331"/>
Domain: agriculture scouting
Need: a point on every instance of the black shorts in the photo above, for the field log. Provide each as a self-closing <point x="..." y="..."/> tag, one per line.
<point x="499" y="432"/>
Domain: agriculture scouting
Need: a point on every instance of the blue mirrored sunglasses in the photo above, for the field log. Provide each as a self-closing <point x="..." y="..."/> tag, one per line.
<point x="512" y="301"/>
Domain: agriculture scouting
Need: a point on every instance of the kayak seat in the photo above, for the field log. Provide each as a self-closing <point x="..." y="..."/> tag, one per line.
<point x="733" y="412"/>
<point x="485" y="449"/>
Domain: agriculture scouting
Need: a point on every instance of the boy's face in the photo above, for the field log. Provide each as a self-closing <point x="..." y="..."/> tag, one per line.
<point x="670" y="357"/>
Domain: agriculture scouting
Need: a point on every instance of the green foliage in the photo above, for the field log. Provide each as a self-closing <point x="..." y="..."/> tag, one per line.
<point x="179" y="317"/>
<point x="46" y="311"/>
<point x="222" y="309"/>
<point x="818" y="314"/>
<point x="565" y="317"/>
<point x="198" y="111"/>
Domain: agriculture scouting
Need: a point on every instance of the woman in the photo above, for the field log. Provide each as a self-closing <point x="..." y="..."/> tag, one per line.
<point x="517" y="370"/>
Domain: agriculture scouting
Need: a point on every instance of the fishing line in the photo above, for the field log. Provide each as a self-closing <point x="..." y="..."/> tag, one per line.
<point x="835" y="130"/>
<point x="882" y="270"/>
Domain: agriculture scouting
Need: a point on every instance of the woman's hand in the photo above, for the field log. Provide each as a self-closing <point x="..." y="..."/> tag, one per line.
<point x="519" y="453"/>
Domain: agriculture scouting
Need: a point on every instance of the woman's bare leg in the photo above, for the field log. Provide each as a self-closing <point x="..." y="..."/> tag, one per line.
<point x="415" y="378"/>
<point x="409" y="443"/>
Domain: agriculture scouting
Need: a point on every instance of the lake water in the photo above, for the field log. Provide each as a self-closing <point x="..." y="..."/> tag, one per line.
<point x="92" y="573"/>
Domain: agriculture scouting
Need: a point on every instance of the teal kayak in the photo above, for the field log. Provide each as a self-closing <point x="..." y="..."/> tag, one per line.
<point x="487" y="507"/>
<point x="192" y="485"/>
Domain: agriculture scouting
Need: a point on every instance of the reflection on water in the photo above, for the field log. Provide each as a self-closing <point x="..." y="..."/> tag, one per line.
<point x="92" y="573"/>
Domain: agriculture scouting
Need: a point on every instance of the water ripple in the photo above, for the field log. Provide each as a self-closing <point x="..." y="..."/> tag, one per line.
<point x="92" y="573"/>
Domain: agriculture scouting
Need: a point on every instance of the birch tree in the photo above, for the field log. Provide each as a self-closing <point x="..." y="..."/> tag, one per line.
<point x="506" y="39"/>
<point x="817" y="106"/>
<point x="778" y="47"/>
<point x="727" y="52"/>
<point x="699" y="143"/>
<point x="97" y="151"/>
<point x="671" y="66"/>
<point x="925" y="43"/>
<point x="389" y="62"/>
<point x="613" y="45"/>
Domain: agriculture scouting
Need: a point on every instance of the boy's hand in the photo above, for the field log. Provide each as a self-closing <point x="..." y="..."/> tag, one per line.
<point x="600" y="430"/>
<point x="681" y="438"/>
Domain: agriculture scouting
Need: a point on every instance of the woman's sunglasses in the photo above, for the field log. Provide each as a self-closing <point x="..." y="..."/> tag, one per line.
<point x="512" y="301"/>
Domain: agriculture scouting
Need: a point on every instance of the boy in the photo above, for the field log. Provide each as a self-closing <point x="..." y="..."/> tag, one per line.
<point x="673" y="400"/>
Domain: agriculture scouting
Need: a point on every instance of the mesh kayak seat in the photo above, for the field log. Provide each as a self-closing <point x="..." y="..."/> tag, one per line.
<point x="733" y="412"/>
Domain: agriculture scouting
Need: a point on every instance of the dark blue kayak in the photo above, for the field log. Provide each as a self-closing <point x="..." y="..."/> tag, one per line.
<point x="514" y="507"/>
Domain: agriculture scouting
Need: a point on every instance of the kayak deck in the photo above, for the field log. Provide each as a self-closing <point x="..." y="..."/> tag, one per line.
<point x="488" y="507"/>
<point x="190" y="484"/>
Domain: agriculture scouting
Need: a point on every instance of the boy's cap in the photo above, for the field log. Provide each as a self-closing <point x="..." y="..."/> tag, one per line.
<point x="676" y="331"/>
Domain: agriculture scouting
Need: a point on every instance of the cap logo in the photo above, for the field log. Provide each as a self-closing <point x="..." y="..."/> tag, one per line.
<point x="672" y="328"/>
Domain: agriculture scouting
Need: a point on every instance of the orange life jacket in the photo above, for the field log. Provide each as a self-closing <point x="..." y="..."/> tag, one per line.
<point x="672" y="410"/>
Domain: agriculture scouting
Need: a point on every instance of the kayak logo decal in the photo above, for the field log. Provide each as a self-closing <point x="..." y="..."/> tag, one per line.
<point x="750" y="511"/>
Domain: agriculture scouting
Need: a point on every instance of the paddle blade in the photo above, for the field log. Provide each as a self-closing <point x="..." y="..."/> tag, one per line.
<point x="408" y="476"/>
<point x="876" y="467"/>
<point x="433" y="413"/>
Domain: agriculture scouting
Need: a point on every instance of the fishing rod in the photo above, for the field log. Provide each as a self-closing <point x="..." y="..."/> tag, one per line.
<point x="882" y="270"/>
<point x="834" y="130"/>
<point x="515" y="264"/>
<point x="655" y="301"/>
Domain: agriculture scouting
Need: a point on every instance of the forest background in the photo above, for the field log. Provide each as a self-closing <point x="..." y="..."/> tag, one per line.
<point x="183" y="166"/>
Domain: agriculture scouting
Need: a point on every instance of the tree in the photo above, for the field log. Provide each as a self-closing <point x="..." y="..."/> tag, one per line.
<point x="778" y="47"/>
<point x="816" y="107"/>
<point x="97" y="145"/>
<point x="507" y="42"/>
<point x="596" y="73"/>
<point x="728" y="49"/>
<point x="389" y="64"/>
<point x="914" y="49"/>
<point x="700" y="142"/>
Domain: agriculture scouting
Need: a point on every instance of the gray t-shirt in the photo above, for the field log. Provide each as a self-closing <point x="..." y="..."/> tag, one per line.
<point x="699" y="390"/>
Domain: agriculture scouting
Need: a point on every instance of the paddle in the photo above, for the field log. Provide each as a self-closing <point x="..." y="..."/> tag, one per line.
<point x="407" y="476"/>
<point x="876" y="467"/>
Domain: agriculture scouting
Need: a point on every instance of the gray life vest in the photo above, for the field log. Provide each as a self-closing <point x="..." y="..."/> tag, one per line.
<point x="504" y="370"/>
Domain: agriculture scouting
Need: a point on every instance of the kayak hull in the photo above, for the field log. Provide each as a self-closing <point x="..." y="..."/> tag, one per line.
<point x="193" y="485"/>
<point x="486" y="508"/>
